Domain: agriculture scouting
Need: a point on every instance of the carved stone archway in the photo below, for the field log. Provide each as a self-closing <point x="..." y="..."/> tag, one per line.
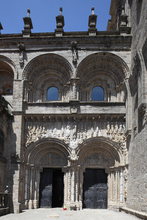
<point x="104" y="154"/>
<point x="44" y="71"/>
<point x="106" y="70"/>
<point x="42" y="154"/>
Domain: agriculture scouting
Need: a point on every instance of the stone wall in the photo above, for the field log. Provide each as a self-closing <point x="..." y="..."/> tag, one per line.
<point x="137" y="181"/>
<point x="137" y="187"/>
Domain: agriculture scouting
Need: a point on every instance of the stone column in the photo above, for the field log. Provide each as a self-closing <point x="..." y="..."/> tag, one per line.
<point x="30" y="204"/>
<point x="121" y="187"/>
<point x="112" y="181"/>
<point x="17" y="128"/>
<point x="16" y="142"/>
<point x="77" y="185"/>
<point x="37" y="185"/>
<point x="36" y="188"/>
<point x="25" y="91"/>
<point x="74" y="90"/>
<point x="118" y="187"/>
<point x="113" y="188"/>
<point x="15" y="196"/>
<point x="72" y="187"/>
<point x="66" y="187"/>
<point x="125" y="175"/>
<point x="81" y="180"/>
<point x="109" y="189"/>
<point x="26" y="186"/>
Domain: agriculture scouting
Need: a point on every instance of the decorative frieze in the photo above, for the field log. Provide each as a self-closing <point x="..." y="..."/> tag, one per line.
<point x="73" y="131"/>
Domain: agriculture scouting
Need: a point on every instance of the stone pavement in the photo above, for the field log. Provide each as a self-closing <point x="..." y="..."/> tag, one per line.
<point x="57" y="213"/>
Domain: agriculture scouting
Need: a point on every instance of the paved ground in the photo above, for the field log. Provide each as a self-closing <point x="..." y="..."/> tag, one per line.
<point x="56" y="213"/>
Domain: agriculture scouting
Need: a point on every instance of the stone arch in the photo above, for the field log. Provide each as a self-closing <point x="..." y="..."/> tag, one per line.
<point x="104" y="149"/>
<point x="106" y="70"/>
<point x="103" y="159"/>
<point x="7" y="71"/>
<point x="43" y="154"/>
<point x="10" y="63"/>
<point x="40" y="149"/>
<point x="45" y="71"/>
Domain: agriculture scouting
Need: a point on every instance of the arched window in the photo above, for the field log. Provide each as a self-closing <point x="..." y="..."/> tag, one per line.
<point x="52" y="94"/>
<point x="1" y="142"/>
<point x="97" y="94"/>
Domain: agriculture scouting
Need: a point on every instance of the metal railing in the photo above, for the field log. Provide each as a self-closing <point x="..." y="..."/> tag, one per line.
<point x="4" y="203"/>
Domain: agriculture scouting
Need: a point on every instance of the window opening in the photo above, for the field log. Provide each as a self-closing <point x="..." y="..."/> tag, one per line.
<point x="52" y="94"/>
<point x="97" y="94"/>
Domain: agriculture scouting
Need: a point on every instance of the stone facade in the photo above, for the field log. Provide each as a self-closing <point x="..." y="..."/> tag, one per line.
<point x="5" y="129"/>
<point x="137" y="188"/>
<point x="137" y="177"/>
<point x="76" y="131"/>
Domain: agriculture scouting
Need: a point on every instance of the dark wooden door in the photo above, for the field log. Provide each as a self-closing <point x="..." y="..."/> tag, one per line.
<point x="51" y="188"/>
<point x="46" y="179"/>
<point x="95" y="189"/>
<point x="58" y="188"/>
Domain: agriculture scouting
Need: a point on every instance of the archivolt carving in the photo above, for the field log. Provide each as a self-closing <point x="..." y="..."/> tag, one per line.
<point x="104" y="61"/>
<point x="47" y="61"/>
<point x="47" y="153"/>
<point x="106" y="70"/>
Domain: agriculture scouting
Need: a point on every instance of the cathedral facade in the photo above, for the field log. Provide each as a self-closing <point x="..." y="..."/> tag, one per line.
<point x="73" y="113"/>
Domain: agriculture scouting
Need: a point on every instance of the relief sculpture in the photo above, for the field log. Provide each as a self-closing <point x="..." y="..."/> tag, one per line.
<point x="73" y="132"/>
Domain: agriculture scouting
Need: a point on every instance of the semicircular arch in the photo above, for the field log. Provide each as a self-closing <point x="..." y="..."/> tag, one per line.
<point x="106" y="70"/>
<point x="47" y="61"/>
<point x="47" y="152"/>
<point x="7" y="74"/>
<point x="103" y="61"/>
<point x="102" y="150"/>
<point x="10" y="64"/>
<point x="44" y="71"/>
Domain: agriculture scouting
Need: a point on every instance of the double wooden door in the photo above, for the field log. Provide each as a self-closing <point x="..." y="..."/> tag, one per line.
<point x="51" y="188"/>
<point x="95" y="189"/>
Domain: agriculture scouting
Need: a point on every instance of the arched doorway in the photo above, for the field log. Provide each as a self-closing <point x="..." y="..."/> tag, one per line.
<point x="95" y="188"/>
<point x="44" y="180"/>
<point x="103" y="173"/>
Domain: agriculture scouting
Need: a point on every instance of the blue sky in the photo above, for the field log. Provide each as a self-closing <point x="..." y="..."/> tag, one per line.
<point x="43" y="13"/>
